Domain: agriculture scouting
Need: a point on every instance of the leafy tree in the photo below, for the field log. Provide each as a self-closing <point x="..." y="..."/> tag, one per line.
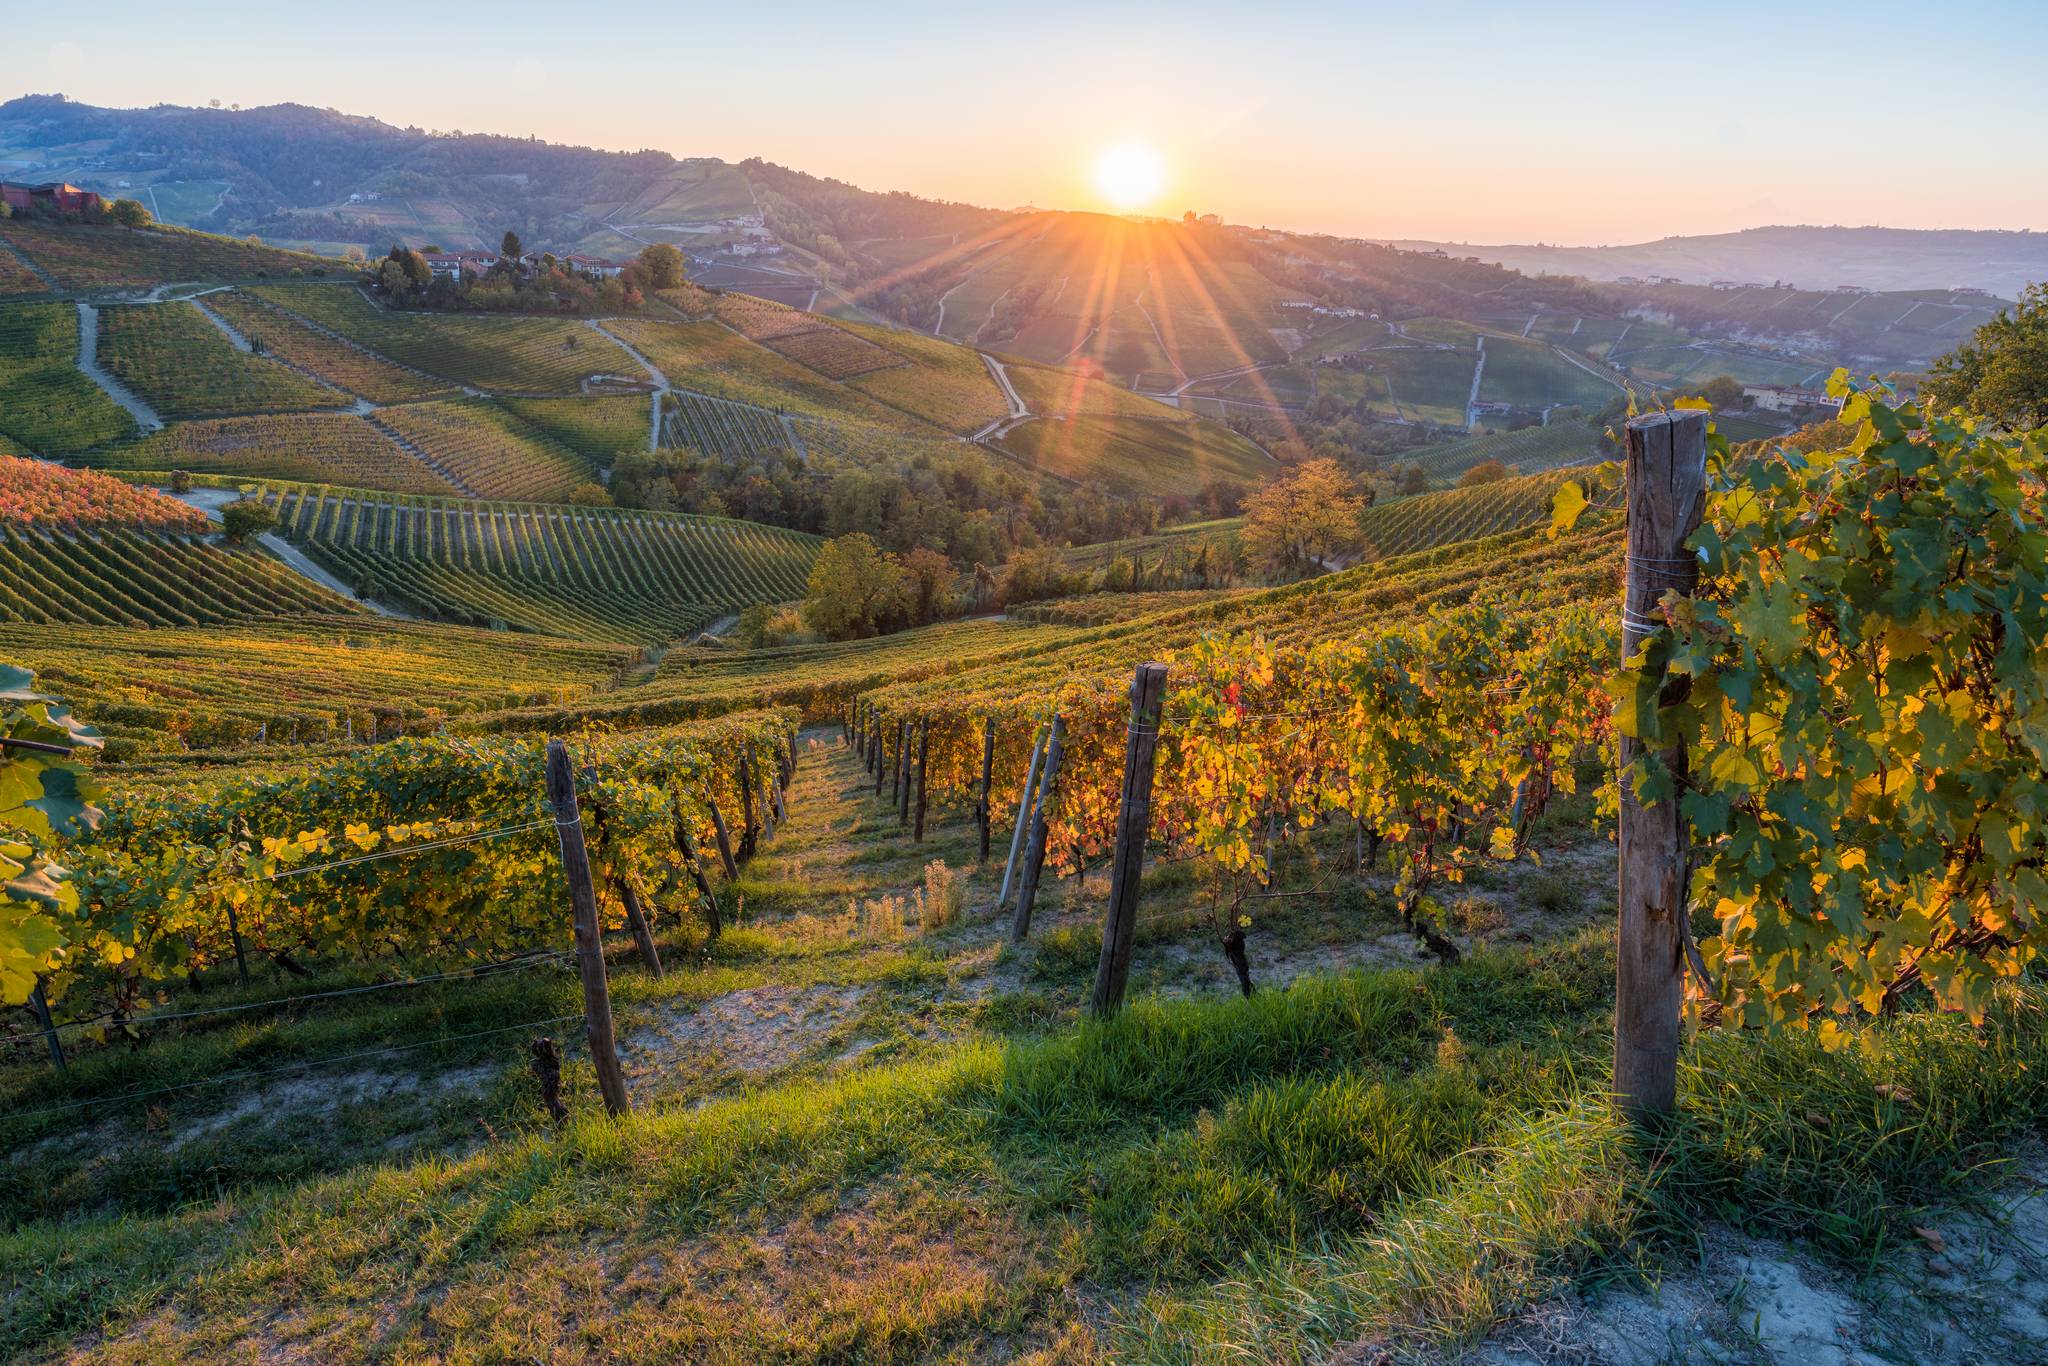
<point x="511" y="248"/>
<point x="589" y="495"/>
<point x="128" y="213"/>
<point x="2001" y="372"/>
<point x="246" y="517"/>
<point x="181" y="482"/>
<point x="856" y="589"/>
<point x="661" y="265"/>
<point x="1485" y="472"/>
<point x="1723" y="391"/>
<point x="1414" y="480"/>
<point x="1302" y="518"/>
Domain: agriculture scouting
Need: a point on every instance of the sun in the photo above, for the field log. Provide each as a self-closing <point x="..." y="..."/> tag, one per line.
<point x="1130" y="174"/>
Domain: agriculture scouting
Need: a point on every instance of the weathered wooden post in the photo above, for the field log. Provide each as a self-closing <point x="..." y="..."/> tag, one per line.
<point x="597" y="1000"/>
<point x="924" y="750"/>
<point x="1034" y="851"/>
<point x="1666" y="473"/>
<point x="1133" y="823"/>
<point x="881" y="757"/>
<point x="39" y="1002"/>
<point x="725" y="858"/>
<point x="988" y="770"/>
<point x="687" y="847"/>
<point x="1023" y="819"/>
<point x="904" y="775"/>
<point x="748" y="829"/>
<point x="636" y="920"/>
<point x="767" y="782"/>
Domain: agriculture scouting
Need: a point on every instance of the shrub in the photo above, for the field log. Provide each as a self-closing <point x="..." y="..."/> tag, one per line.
<point x="246" y="517"/>
<point x="945" y="893"/>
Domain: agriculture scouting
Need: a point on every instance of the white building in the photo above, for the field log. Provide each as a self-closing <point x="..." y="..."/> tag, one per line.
<point x="1786" y="398"/>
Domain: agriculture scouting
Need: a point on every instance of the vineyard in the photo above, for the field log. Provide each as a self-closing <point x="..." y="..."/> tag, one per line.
<point x="1531" y="450"/>
<point x="184" y="366"/>
<point x="708" y="359"/>
<point x="318" y="448"/>
<point x="1062" y="393"/>
<point x="33" y="493"/>
<point x="85" y="257"/>
<point x="46" y="404"/>
<point x="1137" y="458"/>
<point x="486" y="452"/>
<point x="1402" y="526"/>
<point x="596" y="574"/>
<point x="506" y="355"/>
<point x="345" y="366"/>
<point x="833" y="353"/>
<point x="722" y="427"/>
<point x="946" y="385"/>
<point x="17" y="280"/>
<point x="119" y="577"/>
<point x="600" y="429"/>
<point x="304" y="682"/>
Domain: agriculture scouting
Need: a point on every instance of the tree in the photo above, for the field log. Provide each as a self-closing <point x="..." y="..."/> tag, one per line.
<point x="246" y="517"/>
<point x="1723" y="391"/>
<point x="661" y="265"/>
<point x="2002" y="371"/>
<point x="928" y="577"/>
<point x="128" y="213"/>
<point x="391" y="278"/>
<point x="1485" y="472"/>
<point x="1414" y="480"/>
<point x="181" y="482"/>
<point x="1301" y="519"/>
<point x="511" y="248"/>
<point x="589" y="495"/>
<point x="855" y="590"/>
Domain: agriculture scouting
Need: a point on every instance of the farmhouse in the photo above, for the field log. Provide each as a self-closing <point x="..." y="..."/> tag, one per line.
<point x="452" y="264"/>
<point x="1785" y="398"/>
<point x="55" y="197"/>
<point x="591" y="265"/>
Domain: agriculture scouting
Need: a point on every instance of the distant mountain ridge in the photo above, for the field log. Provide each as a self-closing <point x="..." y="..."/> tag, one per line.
<point x="2003" y="262"/>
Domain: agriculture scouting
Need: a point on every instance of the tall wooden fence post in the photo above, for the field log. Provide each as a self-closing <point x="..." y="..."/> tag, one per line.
<point x="768" y="794"/>
<point x="924" y="752"/>
<point x="39" y="1002"/>
<point x="988" y="771"/>
<point x="748" y="829"/>
<point x="597" y="999"/>
<point x="1666" y="471"/>
<point x="881" y="756"/>
<point x="903" y="774"/>
<point x="1023" y="819"/>
<point x="1133" y="823"/>
<point x="1034" y="851"/>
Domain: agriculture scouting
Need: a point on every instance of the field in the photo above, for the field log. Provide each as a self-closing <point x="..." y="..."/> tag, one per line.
<point x="946" y="385"/>
<point x="319" y="448"/>
<point x="706" y="358"/>
<point x="588" y="573"/>
<point x="1049" y="393"/>
<point x="1428" y="385"/>
<point x="344" y="366"/>
<point x="503" y="354"/>
<point x="1527" y="451"/>
<point x="1137" y="457"/>
<point x="599" y="428"/>
<point x="183" y="366"/>
<point x="1219" y="536"/>
<point x="1404" y="526"/>
<point x="117" y="577"/>
<point x="486" y="452"/>
<point x="1698" y="362"/>
<point x="46" y="404"/>
<point x="1529" y="374"/>
<point x="33" y="493"/>
<point x="721" y="427"/>
<point x="305" y="681"/>
<point x="107" y="258"/>
<point x="833" y="353"/>
<point x="17" y="280"/>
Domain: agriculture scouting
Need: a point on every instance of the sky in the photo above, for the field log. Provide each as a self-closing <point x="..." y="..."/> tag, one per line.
<point x="1463" y="120"/>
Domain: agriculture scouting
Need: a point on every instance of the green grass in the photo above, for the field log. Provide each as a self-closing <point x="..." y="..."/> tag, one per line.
<point x="1138" y="457"/>
<point x="319" y="448"/>
<point x="599" y="429"/>
<point x="184" y="366"/>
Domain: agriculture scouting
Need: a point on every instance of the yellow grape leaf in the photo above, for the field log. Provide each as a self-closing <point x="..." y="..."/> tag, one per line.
<point x="1566" y="506"/>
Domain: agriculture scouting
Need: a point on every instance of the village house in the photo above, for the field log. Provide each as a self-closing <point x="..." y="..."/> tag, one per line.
<point x="55" y="197"/>
<point x="1786" y="398"/>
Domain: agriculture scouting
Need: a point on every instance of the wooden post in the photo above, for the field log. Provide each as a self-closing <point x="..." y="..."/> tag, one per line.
<point x="636" y="920"/>
<point x="903" y="776"/>
<point x="39" y="1000"/>
<point x="597" y="1000"/>
<point x="1133" y="823"/>
<point x="687" y="847"/>
<point x="1034" y="851"/>
<point x="725" y="858"/>
<point x="881" y="757"/>
<point x="235" y="934"/>
<point x="747" y="827"/>
<point x="924" y="749"/>
<point x="767" y="781"/>
<point x="1666" y="474"/>
<point x="1023" y="819"/>
<point x="988" y="770"/>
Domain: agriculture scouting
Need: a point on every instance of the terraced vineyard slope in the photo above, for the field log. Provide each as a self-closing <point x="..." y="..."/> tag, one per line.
<point x="184" y="366"/>
<point x="600" y="574"/>
<point x="47" y="405"/>
<point x="318" y="448"/>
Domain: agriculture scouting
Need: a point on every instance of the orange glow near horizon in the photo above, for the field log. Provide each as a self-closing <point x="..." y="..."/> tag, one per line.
<point x="1130" y="175"/>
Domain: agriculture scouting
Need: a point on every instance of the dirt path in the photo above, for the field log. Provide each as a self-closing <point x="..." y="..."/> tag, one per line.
<point x="210" y="501"/>
<point x="1018" y="415"/>
<point x="661" y="384"/>
<point x="89" y="361"/>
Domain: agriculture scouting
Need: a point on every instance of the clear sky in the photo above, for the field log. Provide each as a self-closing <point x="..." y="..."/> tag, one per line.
<point x="1468" y="120"/>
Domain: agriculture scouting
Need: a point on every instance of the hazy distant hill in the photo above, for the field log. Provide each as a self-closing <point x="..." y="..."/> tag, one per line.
<point x="1812" y="258"/>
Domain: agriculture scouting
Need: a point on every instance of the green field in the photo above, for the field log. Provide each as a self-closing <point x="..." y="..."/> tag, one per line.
<point x="345" y="366"/>
<point x="1529" y="374"/>
<point x="599" y="428"/>
<point x="1137" y="458"/>
<point x="97" y="258"/>
<point x="598" y="574"/>
<point x="318" y="448"/>
<point x="1528" y="451"/>
<point x="184" y="366"/>
<point x="114" y="577"/>
<point x="707" y="358"/>
<point x="1405" y="526"/>
<point x="487" y="452"/>
<point x="47" y="405"/>
<point x="511" y="355"/>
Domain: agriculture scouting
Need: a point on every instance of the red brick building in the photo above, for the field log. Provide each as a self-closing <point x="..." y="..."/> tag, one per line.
<point x="54" y="197"/>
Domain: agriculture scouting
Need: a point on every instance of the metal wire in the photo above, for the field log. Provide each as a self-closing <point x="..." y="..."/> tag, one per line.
<point x="403" y="851"/>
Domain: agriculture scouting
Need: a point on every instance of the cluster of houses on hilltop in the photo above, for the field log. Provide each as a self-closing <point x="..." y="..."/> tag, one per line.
<point x="54" y="197"/>
<point x="454" y="265"/>
<point x="1786" y="398"/>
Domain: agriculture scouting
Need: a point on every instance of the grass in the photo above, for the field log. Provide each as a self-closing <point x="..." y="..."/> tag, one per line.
<point x="47" y="405"/>
<point x="1395" y="1154"/>
<point x="1137" y="457"/>
<point x="184" y="366"/>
